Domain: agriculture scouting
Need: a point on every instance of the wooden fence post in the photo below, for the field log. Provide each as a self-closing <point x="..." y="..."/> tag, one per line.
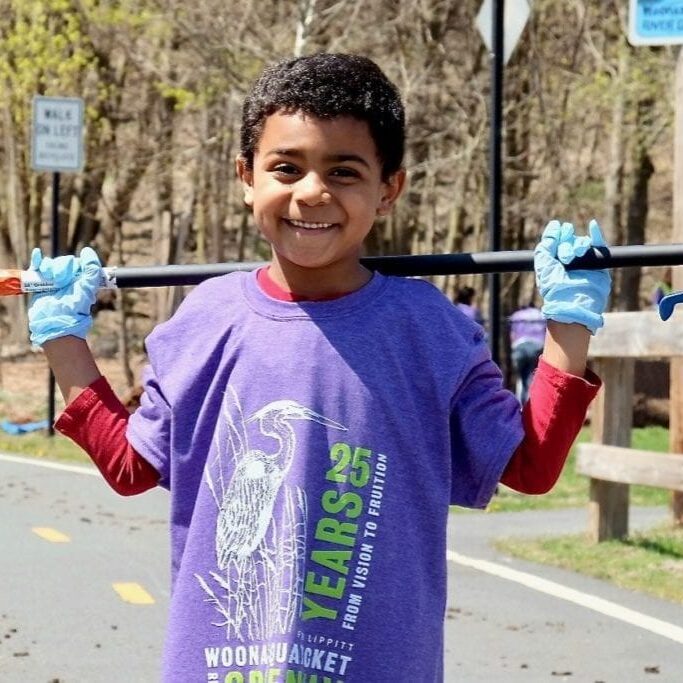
<point x="676" y="372"/>
<point x="676" y="430"/>
<point x="612" y="419"/>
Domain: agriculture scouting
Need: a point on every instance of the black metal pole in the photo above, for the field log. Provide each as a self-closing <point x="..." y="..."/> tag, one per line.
<point x="415" y="266"/>
<point x="496" y="168"/>
<point x="54" y="246"/>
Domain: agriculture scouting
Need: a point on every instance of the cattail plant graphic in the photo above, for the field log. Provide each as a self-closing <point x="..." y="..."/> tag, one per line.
<point x="260" y="560"/>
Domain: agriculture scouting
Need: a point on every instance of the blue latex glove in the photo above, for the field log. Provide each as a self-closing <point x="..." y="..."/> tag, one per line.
<point x="576" y="296"/>
<point x="65" y="312"/>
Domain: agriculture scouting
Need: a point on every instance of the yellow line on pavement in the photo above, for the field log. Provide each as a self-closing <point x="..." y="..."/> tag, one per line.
<point x="133" y="593"/>
<point x="51" y="535"/>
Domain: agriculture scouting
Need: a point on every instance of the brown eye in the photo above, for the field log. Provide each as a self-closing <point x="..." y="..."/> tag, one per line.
<point x="345" y="172"/>
<point x="286" y="169"/>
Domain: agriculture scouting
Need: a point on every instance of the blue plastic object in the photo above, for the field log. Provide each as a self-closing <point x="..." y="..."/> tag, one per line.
<point x="667" y="304"/>
<point x="22" y="427"/>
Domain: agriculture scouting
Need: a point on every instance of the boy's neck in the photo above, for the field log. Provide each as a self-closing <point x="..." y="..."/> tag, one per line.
<point x="318" y="284"/>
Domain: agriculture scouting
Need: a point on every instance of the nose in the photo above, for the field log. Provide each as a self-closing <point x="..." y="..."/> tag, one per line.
<point x="312" y="190"/>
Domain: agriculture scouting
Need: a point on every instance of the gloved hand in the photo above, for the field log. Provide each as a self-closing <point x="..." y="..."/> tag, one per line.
<point x="66" y="311"/>
<point x="571" y="296"/>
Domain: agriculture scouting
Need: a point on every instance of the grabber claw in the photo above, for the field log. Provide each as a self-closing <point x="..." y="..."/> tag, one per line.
<point x="667" y="303"/>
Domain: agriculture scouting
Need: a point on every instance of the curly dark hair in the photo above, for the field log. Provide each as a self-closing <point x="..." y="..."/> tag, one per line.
<point x="327" y="86"/>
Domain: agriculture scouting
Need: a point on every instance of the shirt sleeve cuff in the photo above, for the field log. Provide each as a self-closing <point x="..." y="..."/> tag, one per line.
<point x="76" y="412"/>
<point x="589" y="384"/>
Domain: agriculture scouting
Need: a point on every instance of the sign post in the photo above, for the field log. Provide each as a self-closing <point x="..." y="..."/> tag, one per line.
<point x="56" y="146"/>
<point x="501" y="24"/>
<point x="660" y="22"/>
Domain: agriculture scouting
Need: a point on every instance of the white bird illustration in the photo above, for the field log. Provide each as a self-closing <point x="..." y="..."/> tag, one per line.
<point x="247" y="504"/>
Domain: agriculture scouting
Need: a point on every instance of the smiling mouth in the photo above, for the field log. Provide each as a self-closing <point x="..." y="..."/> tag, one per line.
<point x="307" y="225"/>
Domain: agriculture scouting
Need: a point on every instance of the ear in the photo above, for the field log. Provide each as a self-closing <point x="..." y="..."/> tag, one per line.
<point x="246" y="176"/>
<point x="392" y="188"/>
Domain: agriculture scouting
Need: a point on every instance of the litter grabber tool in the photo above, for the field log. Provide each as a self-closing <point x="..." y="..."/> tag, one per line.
<point x="14" y="282"/>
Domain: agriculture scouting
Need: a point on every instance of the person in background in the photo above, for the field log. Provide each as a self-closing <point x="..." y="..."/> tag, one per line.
<point x="464" y="301"/>
<point x="527" y="336"/>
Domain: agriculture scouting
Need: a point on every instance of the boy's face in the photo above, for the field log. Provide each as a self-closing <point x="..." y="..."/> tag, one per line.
<point x="315" y="190"/>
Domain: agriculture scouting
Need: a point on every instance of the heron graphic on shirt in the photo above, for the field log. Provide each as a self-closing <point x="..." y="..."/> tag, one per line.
<point x="261" y="556"/>
<point x="247" y="504"/>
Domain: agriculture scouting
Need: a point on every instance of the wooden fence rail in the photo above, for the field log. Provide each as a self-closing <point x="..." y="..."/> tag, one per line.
<point x="609" y="461"/>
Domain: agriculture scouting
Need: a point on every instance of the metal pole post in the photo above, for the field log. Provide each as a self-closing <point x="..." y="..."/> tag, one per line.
<point x="54" y="246"/>
<point x="496" y="169"/>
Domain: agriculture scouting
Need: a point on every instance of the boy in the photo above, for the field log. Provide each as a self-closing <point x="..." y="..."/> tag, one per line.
<point x="313" y="421"/>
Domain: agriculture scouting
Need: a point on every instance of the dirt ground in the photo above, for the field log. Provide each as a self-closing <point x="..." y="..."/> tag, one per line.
<point x="24" y="385"/>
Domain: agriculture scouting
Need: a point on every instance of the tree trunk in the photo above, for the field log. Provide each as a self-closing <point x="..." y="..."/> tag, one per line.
<point x="16" y="229"/>
<point x="164" y="228"/>
<point x="124" y="335"/>
<point x="303" y="26"/>
<point x="614" y="180"/>
<point x="635" y="229"/>
<point x="116" y="204"/>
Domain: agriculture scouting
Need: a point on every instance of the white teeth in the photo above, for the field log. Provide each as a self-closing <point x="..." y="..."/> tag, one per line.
<point x="309" y="226"/>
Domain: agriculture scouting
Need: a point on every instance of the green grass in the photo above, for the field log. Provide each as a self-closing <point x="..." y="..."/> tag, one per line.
<point x="571" y="489"/>
<point x="39" y="445"/>
<point x="649" y="562"/>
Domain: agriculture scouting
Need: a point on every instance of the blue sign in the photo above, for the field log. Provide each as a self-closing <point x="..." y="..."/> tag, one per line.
<point x="656" y="22"/>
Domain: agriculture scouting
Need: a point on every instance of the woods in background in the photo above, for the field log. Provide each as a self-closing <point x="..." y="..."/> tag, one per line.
<point x="588" y="128"/>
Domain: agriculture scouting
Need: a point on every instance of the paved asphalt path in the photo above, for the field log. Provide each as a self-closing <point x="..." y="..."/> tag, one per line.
<point x="500" y="630"/>
<point x="61" y="620"/>
<point x="84" y="591"/>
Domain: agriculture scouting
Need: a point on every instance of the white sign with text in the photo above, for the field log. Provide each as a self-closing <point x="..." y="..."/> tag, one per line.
<point x="57" y="134"/>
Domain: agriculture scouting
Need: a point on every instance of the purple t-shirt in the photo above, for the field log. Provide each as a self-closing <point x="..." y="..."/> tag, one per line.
<point x="527" y="325"/>
<point x="472" y="312"/>
<point x="311" y="451"/>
